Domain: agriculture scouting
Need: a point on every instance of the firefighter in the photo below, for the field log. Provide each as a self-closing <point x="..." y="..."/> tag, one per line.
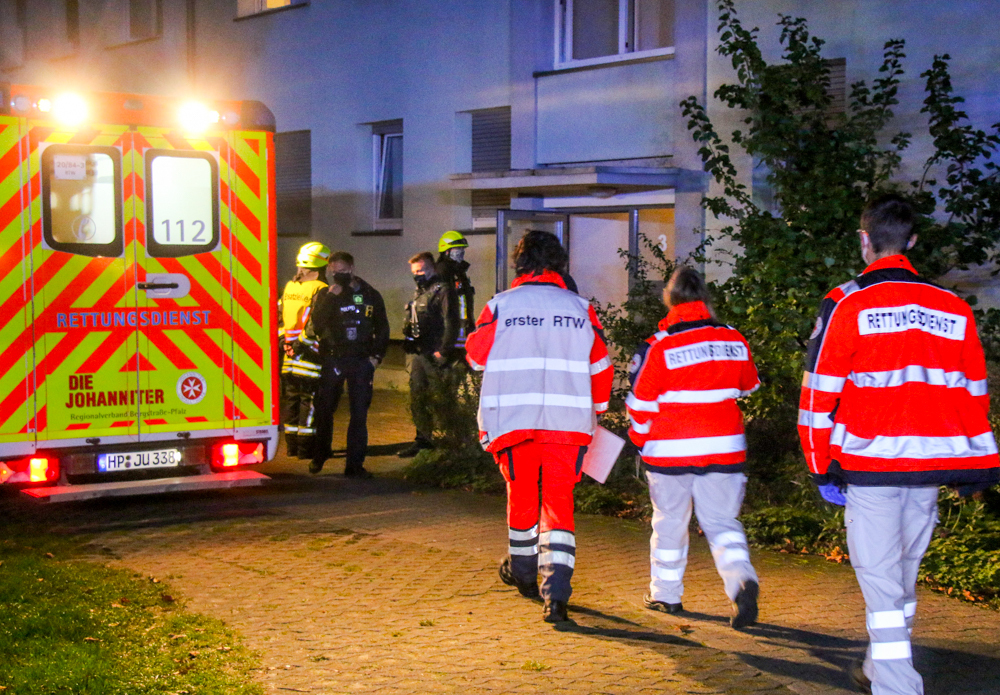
<point x="453" y="268"/>
<point x="430" y="328"/>
<point x="348" y="331"/>
<point x="684" y="417"/>
<point x="894" y="403"/>
<point x="299" y="373"/>
<point x="547" y="376"/>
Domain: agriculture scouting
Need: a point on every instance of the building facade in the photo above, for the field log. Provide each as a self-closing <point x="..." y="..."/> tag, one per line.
<point x="400" y="120"/>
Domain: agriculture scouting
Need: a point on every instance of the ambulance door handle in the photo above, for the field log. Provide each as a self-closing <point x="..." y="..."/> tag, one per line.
<point x="165" y="285"/>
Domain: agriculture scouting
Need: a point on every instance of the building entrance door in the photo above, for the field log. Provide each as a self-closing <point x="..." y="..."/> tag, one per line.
<point x="514" y="224"/>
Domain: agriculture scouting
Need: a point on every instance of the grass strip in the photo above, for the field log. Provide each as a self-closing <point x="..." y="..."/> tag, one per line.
<point x="74" y="626"/>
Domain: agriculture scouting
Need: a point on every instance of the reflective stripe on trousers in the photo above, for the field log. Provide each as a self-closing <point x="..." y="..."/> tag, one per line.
<point x="540" y="531"/>
<point x="888" y="529"/>
<point x="715" y="499"/>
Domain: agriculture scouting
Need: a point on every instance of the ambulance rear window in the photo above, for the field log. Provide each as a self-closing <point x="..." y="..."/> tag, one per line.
<point x="182" y="203"/>
<point x="82" y="199"/>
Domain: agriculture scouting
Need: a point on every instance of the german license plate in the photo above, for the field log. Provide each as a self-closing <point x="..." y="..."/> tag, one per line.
<point x="161" y="458"/>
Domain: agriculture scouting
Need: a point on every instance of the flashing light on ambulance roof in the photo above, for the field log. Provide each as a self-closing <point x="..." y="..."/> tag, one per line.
<point x="69" y="109"/>
<point x="195" y="117"/>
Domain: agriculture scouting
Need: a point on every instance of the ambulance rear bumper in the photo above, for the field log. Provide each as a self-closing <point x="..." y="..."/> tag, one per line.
<point x="213" y="481"/>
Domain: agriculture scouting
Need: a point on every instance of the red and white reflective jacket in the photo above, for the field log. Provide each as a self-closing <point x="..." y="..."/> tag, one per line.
<point x="682" y="406"/>
<point x="547" y="370"/>
<point x="894" y="391"/>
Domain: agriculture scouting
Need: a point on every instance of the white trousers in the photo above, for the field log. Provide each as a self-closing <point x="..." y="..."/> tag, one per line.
<point x="888" y="529"/>
<point x="716" y="498"/>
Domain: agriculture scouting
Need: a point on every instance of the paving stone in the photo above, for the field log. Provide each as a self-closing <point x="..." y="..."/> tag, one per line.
<point x="333" y="578"/>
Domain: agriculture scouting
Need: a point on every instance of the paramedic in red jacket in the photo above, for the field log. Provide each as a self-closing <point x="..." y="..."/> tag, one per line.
<point x="893" y="405"/>
<point x="685" y="420"/>
<point x="547" y="376"/>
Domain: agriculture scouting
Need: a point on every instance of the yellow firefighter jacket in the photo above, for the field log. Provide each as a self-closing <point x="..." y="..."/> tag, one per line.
<point x="293" y="314"/>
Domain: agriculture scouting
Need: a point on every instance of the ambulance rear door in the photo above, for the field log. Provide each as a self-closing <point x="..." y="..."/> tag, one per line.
<point x="183" y="285"/>
<point x="83" y="281"/>
<point x="17" y="402"/>
<point x="254" y="283"/>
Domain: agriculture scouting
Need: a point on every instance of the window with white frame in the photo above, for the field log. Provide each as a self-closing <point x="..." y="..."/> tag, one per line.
<point x="387" y="173"/>
<point x="245" y="8"/>
<point x="590" y="32"/>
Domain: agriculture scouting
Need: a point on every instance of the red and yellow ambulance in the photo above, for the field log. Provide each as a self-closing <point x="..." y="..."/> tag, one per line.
<point x="137" y="293"/>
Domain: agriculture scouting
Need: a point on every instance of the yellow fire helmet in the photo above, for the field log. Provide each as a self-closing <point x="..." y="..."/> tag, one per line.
<point x="452" y="240"/>
<point x="313" y="255"/>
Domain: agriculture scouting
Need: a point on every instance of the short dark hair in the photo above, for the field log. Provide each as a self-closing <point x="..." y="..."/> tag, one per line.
<point x="686" y="285"/>
<point x="888" y="219"/>
<point x="537" y="252"/>
<point x="422" y="256"/>
<point x="343" y="257"/>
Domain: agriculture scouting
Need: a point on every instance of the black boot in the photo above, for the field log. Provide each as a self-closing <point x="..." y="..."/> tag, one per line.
<point x="857" y="673"/>
<point x="292" y="444"/>
<point x="555" y="612"/>
<point x="508" y="578"/>
<point x="307" y="449"/>
<point x="418" y="445"/>
<point x="745" y="606"/>
<point x="662" y="606"/>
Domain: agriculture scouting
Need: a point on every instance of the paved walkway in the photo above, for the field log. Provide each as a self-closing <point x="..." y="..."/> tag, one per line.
<point x="374" y="587"/>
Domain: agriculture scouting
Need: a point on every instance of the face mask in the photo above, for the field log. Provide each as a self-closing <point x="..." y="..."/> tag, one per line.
<point x="457" y="255"/>
<point x="420" y="279"/>
<point x="342" y="279"/>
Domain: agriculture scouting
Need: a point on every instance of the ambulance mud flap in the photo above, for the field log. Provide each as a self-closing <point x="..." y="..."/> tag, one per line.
<point x="215" y="481"/>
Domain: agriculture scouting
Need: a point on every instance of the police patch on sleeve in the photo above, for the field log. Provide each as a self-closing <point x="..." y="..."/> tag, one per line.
<point x="818" y="328"/>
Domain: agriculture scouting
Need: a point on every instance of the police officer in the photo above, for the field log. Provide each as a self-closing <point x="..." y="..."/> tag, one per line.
<point x="893" y="404"/>
<point x="348" y="330"/>
<point x="684" y="417"/>
<point x="547" y="375"/>
<point x="431" y="327"/>
<point x="453" y="268"/>
<point x="298" y="373"/>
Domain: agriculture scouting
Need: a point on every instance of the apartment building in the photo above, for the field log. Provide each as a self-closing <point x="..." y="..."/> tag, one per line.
<point x="398" y="120"/>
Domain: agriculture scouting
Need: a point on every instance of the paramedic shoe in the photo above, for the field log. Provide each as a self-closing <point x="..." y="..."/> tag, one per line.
<point x="858" y="677"/>
<point x="662" y="606"/>
<point x="555" y="612"/>
<point x="315" y="466"/>
<point x="507" y="577"/>
<point x="745" y="606"/>
<point x="415" y="448"/>
<point x="359" y="473"/>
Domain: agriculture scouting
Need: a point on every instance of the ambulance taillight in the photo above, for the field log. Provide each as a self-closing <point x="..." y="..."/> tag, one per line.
<point x="37" y="469"/>
<point x="233" y="454"/>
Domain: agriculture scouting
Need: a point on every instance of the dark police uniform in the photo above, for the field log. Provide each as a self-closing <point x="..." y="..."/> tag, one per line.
<point x="345" y="330"/>
<point x="431" y="325"/>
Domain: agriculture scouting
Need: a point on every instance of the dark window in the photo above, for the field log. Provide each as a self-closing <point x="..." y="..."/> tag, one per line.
<point x="595" y="28"/>
<point x="838" y="86"/>
<point x="293" y="182"/>
<point x="491" y="139"/>
<point x="73" y="22"/>
<point x="13" y="24"/>
<point x="142" y="19"/>
<point x="490" y="152"/>
<point x="387" y="149"/>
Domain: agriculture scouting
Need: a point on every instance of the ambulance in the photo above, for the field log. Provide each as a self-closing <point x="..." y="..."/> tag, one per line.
<point x="137" y="293"/>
